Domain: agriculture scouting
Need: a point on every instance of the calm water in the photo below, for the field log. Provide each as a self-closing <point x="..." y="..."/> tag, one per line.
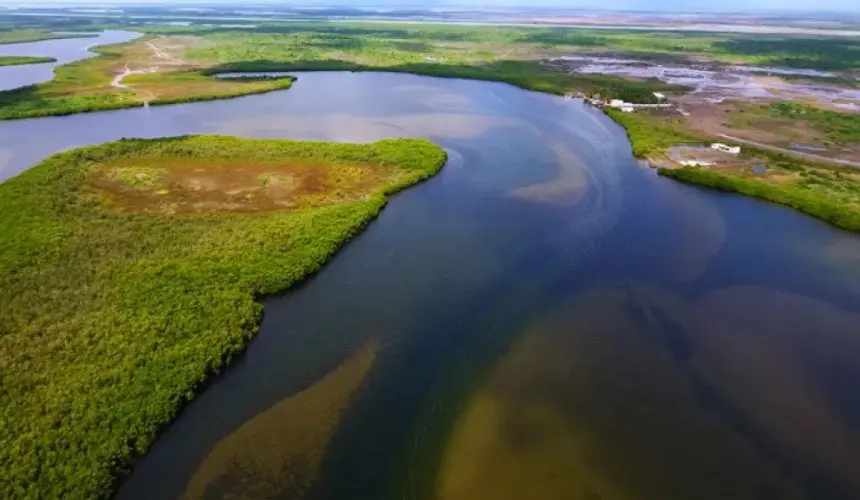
<point x="64" y="50"/>
<point x="544" y="319"/>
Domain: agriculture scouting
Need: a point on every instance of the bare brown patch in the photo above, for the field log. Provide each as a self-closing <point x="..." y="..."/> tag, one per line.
<point x="197" y="185"/>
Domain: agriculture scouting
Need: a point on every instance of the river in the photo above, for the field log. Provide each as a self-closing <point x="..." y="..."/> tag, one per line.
<point x="544" y="319"/>
<point x="64" y="50"/>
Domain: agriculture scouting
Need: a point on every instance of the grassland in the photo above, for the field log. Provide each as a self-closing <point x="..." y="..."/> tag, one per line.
<point x="488" y="43"/>
<point x="840" y="128"/>
<point x="87" y="85"/>
<point x="19" y="60"/>
<point x="117" y="300"/>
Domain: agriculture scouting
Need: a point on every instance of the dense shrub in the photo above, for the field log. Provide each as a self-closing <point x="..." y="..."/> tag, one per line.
<point x="110" y="319"/>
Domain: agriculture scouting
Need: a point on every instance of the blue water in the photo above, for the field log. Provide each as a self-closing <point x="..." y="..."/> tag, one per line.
<point x="65" y="50"/>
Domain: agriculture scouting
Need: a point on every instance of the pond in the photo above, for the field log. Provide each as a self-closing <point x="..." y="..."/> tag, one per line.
<point x="544" y="319"/>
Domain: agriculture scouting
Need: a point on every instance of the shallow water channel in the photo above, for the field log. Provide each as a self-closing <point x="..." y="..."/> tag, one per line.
<point x="64" y="50"/>
<point x="544" y="319"/>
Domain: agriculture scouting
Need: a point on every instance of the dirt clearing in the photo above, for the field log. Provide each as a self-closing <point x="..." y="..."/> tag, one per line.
<point x="196" y="185"/>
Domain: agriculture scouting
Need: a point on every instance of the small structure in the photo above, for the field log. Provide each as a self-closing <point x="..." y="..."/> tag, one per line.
<point x="626" y="107"/>
<point x="718" y="146"/>
<point x="660" y="96"/>
<point x="695" y="163"/>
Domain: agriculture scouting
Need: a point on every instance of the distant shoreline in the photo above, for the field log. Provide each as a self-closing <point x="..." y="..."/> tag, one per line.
<point x="693" y="27"/>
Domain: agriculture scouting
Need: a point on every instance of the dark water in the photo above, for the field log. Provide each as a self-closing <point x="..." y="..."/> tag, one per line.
<point x="65" y="50"/>
<point x="544" y="319"/>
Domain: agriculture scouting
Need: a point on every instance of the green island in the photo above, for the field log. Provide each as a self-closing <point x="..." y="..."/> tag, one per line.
<point x="130" y="272"/>
<point x="36" y="35"/>
<point x="19" y="60"/>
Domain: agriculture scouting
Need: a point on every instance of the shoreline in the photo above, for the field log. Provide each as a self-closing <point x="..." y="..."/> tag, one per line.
<point x="25" y="60"/>
<point x="652" y="140"/>
<point x="227" y="331"/>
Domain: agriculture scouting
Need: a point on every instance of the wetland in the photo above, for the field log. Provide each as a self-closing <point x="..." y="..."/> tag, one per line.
<point x="543" y="310"/>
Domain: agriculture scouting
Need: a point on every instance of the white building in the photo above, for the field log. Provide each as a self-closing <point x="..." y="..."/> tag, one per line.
<point x="660" y="96"/>
<point x="617" y="103"/>
<point x="718" y="146"/>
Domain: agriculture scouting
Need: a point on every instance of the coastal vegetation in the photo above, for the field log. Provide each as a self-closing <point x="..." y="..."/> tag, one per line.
<point x="829" y="194"/>
<point x="190" y="58"/>
<point x="19" y="60"/>
<point x="129" y="274"/>
<point x="508" y="54"/>
<point x="87" y="85"/>
<point x="36" y="35"/>
<point x="481" y="42"/>
<point x="189" y="72"/>
<point x="648" y="138"/>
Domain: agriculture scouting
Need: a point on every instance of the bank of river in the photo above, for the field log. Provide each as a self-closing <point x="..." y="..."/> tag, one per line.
<point x="544" y="317"/>
<point x="64" y="50"/>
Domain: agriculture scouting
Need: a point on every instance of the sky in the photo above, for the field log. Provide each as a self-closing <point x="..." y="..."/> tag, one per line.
<point x="643" y="5"/>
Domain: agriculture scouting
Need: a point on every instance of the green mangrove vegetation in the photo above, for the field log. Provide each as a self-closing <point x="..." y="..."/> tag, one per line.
<point x="412" y="42"/>
<point x="35" y="35"/>
<point x="648" y="138"/>
<point x="124" y="284"/>
<point x="20" y="60"/>
<point x="85" y="86"/>
<point x="829" y="194"/>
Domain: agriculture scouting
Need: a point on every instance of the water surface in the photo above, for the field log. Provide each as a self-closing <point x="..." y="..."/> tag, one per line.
<point x="64" y="50"/>
<point x="543" y="319"/>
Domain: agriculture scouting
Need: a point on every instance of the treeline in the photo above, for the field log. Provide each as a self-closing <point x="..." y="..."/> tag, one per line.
<point x="524" y="74"/>
<point x="110" y="320"/>
<point x="811" y="202"/>
<point x="20" y="60"/>
<point x="648" y="138"/>
<point x="38" y="100"/>
<point x="35" y="35"/>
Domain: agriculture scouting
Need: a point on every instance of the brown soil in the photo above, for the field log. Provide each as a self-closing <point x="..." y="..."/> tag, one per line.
<point x="196" y="186"/>
<point x="730" y="118"/>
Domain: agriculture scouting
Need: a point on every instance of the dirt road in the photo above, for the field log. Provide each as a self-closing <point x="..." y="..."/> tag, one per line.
<point x="158" y="53"/>
<point x="117" y="80"/>
<point x="810" y="156"/>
